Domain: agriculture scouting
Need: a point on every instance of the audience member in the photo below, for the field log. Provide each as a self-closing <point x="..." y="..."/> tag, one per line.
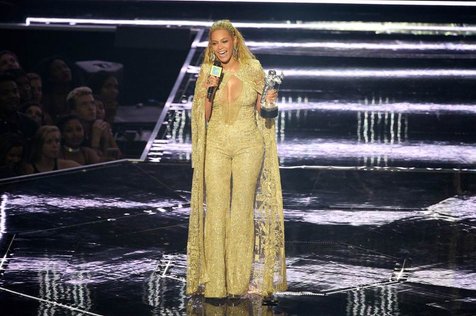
<point x="23" y="84"/>
<point x="106" y="86"/>
<point x="11" y="155"/>
<point x="73" y="137"/>
<point x="100" y="110"/>
<point x="97" y="133"/>
<point x="57" y="79"/>
<point x="45" y="151"/>
<point x="36" y="87"/>
<point x="8" y="61"/>
<point x="34" y="111"/>
<point x="10" y="119"/>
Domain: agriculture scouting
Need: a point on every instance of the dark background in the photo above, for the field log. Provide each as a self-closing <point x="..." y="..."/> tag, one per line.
<point x="152" y="56"/>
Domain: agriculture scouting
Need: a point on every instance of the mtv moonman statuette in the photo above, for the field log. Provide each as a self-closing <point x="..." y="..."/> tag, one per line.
<point x="271" y="81"/>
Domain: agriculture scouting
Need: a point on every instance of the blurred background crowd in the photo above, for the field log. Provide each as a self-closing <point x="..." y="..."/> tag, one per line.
<point x="51" y="118"/>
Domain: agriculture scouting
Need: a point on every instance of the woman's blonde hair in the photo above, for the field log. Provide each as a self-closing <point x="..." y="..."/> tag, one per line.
<point x="39" y="140"/>
<point x="242" y="51"/>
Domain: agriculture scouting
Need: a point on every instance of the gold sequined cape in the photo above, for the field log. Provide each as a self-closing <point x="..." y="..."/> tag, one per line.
<point x="269" y="267"/>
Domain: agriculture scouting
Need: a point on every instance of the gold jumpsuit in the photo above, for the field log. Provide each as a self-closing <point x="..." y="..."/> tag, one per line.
<point x="236" y="243"/>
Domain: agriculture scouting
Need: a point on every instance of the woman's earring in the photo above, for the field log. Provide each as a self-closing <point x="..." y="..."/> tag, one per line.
<point x="212" y="57"/>
<point x="235" y="52"/>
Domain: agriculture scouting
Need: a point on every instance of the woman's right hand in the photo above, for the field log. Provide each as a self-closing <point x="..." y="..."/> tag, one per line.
<point x="212" y="81"/>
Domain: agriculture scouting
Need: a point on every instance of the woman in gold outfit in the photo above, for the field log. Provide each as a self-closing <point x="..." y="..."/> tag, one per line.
<point x="235" y="243"/>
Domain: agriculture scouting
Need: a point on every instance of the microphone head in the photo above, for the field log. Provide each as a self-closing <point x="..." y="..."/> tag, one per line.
<point x="216" y="69"/>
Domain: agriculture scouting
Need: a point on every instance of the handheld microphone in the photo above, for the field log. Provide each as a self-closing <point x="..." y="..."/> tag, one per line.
<point x="214" y="71"/>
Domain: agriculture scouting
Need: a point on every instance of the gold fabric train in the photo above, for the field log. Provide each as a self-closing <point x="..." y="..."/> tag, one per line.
<point x="269" y="266"/>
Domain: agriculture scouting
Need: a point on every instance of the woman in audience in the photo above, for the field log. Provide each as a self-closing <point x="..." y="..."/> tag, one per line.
<point x="100" y="110"/>
<point x="106" y="86"/>
<point x="11" y="155"/>
<point x="45" y="152"/>
<point x="97" y="133"/>
<point x="73" y="137"/>
<point x="36" y="87"/>
<point x="34" y="111"/>
<point x="58" y="81"/>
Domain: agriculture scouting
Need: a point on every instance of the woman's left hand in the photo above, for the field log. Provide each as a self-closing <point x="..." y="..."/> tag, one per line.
<point x="271" y="96"/>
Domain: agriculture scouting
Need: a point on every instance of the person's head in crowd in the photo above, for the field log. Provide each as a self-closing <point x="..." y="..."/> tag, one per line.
<point x="11" y="150"/>
<point x="57" y="80"/>
<point x="105" y="85"/>
<point x="36" y="86"/>
<point x="9" y="95"/>
<point x="23" y="84"/>
<point x="72" y="131"/>
<point x="81" y="103"/>
<point x="45" y="151"/>
<point x="46" y="143"/>
<point x="60" y="72"/>
<point x="56" y="73"/>
<point x="34" y="111"/>
<point x="8" y="61"/>
<point x="100" y="109"/>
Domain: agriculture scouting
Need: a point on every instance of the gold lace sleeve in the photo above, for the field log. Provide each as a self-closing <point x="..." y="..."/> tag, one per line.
<point x="269" y="274"/>
<point x="195" y="250"/>
<point x="198" y="116"/>
<point x="257" y="76"/>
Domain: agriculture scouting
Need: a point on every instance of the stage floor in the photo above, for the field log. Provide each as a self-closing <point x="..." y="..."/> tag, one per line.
<point x="378" y="185"/>
<point x="111" y="241"/>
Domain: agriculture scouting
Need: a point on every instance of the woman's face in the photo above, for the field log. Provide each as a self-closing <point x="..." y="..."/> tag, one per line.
<point x="100" y="110"/>
<point x="222" y="44"/>
<point x="60" y="71"/>
<point x="24" y="88"/>
<point x="110" y="89"/>
<point x="14" y="155"/>
<point x="51" y="145"/>
<point x="35" y="113"/>
<point x="73" y="133"/>
<point x="36" y="90"/>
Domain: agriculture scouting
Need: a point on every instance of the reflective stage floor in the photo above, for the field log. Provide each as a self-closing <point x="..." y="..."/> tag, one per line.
<point x="378" y="181"/>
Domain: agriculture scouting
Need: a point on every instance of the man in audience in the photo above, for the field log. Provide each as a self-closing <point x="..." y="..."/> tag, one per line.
<point x="97" y="133"/>
<point x="10" y="119"/>
<point x="23" y="84"/>
<point x="8" y="61"/>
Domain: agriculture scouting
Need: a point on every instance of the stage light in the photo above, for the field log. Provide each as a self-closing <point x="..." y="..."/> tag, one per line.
<point x="342" y="26"/>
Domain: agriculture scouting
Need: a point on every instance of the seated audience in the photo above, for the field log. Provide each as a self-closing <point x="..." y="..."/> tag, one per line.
<point x="100" y="110"/>
<point x="106" y="86"/>
<point x="36" y="87"/>
<point x="11" y="155"/>
<point x="57" y="79"/>
<point x="34" y="111"/>
<point x="23" y="84"/>
<point x="8" y="61"/>
<point x="45" y="152"/>
<point x="73" y="137"/>
<point x="97" y="133"/>
<point x="10" y="119"/>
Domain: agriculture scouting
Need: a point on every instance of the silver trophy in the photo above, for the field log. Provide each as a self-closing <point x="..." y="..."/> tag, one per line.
<point x="271" y="81"/>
